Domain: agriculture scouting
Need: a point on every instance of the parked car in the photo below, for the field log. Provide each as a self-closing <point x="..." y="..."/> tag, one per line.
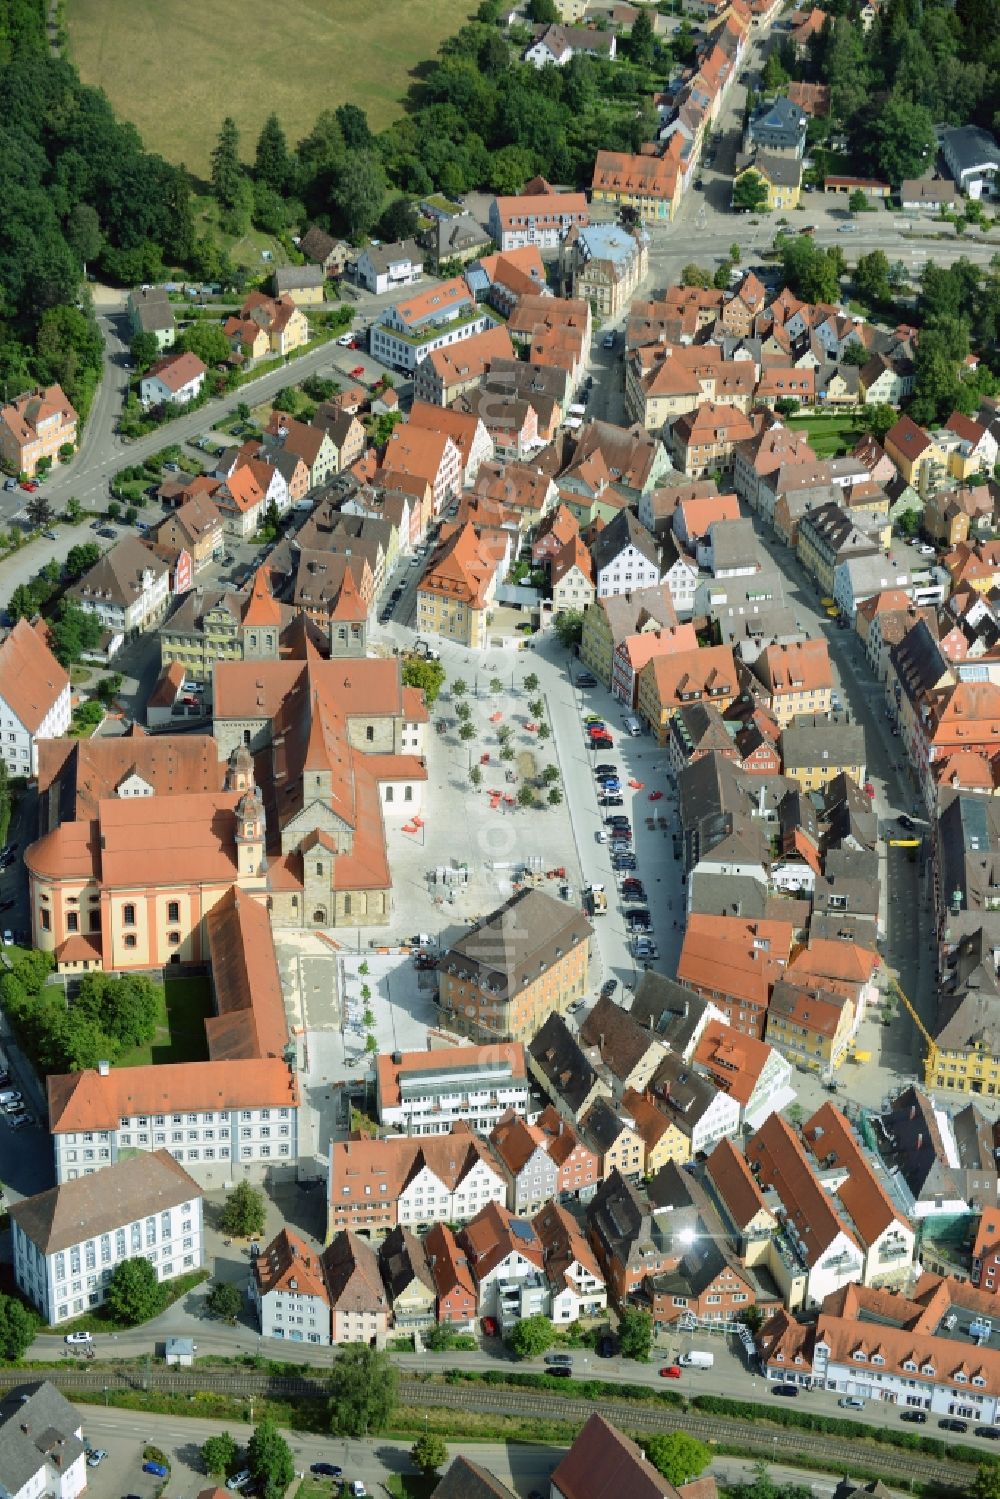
<point x="236" y="1482"/>
<point x="606" y="1347"/>
<point x="611" y="801"/>
<point x="358" y="372"/>
<point x="560" y="1371"/>
<point x="327" y="1470"/>
<point x="10" y="484"/>
<point x="624" y="861"/>
<point x="788" y="1390"/>
<point x="608" y="988"/>
<point x="918" y="1418"/>
<point x="557" y="1358"/>
<point x="605" y="769"/>
<point x="671" y="1371"/>
<point x="50" y="536"/>
<point x="852" y="1403"/>
<point x="21" y="1121"/>
<point x="96" y="1457"/>
<point x="159" y="1470"/>
<point x="489" y="1326"/>
<point x="30" y="485"/>
<point x="949" y="1423"/>
<point x="585" y="679"/>
<point x="906" y="821"/>
<point x="992" y="1432"/>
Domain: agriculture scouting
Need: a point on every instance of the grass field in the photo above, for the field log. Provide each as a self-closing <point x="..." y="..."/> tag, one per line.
<point x="828" y="435"/>
<point x="180" y="1028"/>
<point x="176" y="70"/>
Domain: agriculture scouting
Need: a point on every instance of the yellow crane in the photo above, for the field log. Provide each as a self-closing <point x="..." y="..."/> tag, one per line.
<point x="931" y="1060"/>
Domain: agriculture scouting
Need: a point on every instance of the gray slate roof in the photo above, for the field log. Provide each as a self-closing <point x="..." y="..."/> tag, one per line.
<point x="41" y="1429"/>
<point x="105" y="1200"/>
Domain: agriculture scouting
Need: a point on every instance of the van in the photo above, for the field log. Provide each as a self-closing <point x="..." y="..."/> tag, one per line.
<point x="696" y="1360"/>
<point x="633" y="726"/>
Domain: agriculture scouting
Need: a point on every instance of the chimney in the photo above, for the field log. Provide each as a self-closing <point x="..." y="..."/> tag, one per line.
<point x="103" y="1068"/>
<point x="920" y="1139"/>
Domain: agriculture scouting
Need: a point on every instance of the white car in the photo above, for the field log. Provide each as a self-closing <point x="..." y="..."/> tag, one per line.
<point x="78" y="1337"/>
<point x="358" y="1489"/>
<point x="345" y="340"/>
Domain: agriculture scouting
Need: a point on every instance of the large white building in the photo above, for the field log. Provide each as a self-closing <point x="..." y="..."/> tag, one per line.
<point x="128" y="589"/>
<point x="41" y="1446"/>
<point x="221" y="1119"/>
<point x="425" y="1092"/>
<point x="68" y="1240"/>
<point x="34" y="698"/>
<point x="413" y="329"/>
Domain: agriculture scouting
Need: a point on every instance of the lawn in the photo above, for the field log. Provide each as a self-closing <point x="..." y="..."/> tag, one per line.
<point x="180" y="1027"/>
<point x="828" y="435"/>
<point x="412" y="1485"/>
<point x="175" y="70"/>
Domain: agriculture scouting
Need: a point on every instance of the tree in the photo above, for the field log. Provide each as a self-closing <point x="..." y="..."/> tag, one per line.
<point x="83" y="232"/>
<point x="224" y="1301"/>
<point x="555" y="796"/>
<point x="695" y="275"/>
<point x="476" y="776"/>
<point x="73" y="508"/>
<point x="359" y="191"/>
<point x="354" y="128"/>
<point x="542" y="12"/>
<point x="74" y="632"/>
<point x="986" y="1484"/>
<point x="569" y="627"/>
<point x="459" y="687"/>
<point x="208" y="341"/>
<point x="227" y="171"/>
<point x="871" y="276"/>
<point x="531" y="682"/>
<point x="878" y="419"/>
<point x="245" y="1213"/>
<point x="363" y="1391"/>
<point x="466" y="731"/>
<point x="134" y="1294"/>
<point x="532" y="1335"/>
<point x="272" y="160"/>
<point x="679" y="1457"/>
<point x="463" y="711"/>
<point x="525" y="794"/>
<point x="429" y="1452"/>
<point x="635" y="1334"/>
<point x="126" y="1009"/>
<point x="773" y="77"/>
<point x="39" y="511"/>
<point x="858" y="201"/>
<point x="641" y="42"/>
<point x="269" y="1459"/>
<point x="399" y="221"/>
<point x="750" y="193"/>
<point x="904" y="140"/>
<point x="427" y="675"/>
<point x="144" y="350"/>
<point x="219" y="1454"/>
<point x="18" y="1326"/>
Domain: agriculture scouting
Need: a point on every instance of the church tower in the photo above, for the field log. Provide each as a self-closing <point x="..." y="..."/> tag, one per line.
<point x="251" y="853"/>
<point x="239" y="771"/>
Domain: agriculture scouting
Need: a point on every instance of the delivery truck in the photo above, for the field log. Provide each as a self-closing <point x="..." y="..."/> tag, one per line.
<point x="696" y="1360"/>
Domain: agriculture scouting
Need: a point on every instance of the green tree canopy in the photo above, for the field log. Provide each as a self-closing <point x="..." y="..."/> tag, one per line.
<point x="125" y="1009"/>
<point x="74" y="632"/>
<point x="750" y="192"/>
<point x="532" y="1335"/>
<point x="363" y="1387"/>
<point x="18" y="1326"/>
<point x="227" y="170"/>
<point x="635" y="1334"/>
<point x="986" y="1484"/>
<point x="359" y="191"/>
<point x="679" y="1457"/>
<point x="134" y="1294"/>
<point x="208" y="341"/>
<point x="569" y="627"/>
<point x="427" y="675"/>
<point x="244" y="1213"/>
<point x="904" y="141"/>
<point x="429" y="1452"/>
<point x="269" y="1459"/>
<point x="219" y="1454"/>
<point x="871" y="276"/>
<point x="224" y="1301"/>
<point x="273" y="163"/>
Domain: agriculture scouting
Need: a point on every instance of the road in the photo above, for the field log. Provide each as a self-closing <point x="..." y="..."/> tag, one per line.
<point x="772" y="1443"/>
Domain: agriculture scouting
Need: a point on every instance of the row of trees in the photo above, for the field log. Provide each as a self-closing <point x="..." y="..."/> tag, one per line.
<point x="107" y="1017"/>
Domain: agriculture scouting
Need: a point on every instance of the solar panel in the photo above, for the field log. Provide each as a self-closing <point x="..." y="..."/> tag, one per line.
<point x="522" y="1230"/>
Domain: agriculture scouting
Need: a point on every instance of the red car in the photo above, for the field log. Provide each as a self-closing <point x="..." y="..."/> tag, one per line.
<point x="358" y="373"/>
<point x="670" y="1371"/>
<point x="489" y="1327"/>
<point x="30" y="485"/>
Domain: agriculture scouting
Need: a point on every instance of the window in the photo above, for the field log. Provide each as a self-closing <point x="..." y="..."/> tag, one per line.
<point x="72" y="921"/>
<point x="46" y="920"/>
<point x="128" y="914"/>
<point x="129" y="940"/>
<point x="173" y="910"/>
<point x="173" y="938"/>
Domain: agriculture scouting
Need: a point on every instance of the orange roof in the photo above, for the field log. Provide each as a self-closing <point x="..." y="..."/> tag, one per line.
<point x="691" y="675"/>
<point x="177" y="370"/>
<point x="735" y="1184"/>
<point x="421" y="304"/>
<point x="781" y="1163"/>
<point x="830" y="958"/>
<point x="87" y="1101"/>
<point x="833" y="1143"/>
<point x="515" y="1141"/>
<point x="700" y="513"/>
<point x="650" y="643"/>
<point x="650" y="1122"/>
<point x="462" y="568"/>
<point x="490" y="1237"/>
<point x="449" y="1264"/>
<point x="648" y="176"/>
<point x="461" y="426"/>
<point x="31" y="679"/>
<point x="734" y="1061"/>
<point x="262" y="607"/>
<point x="802" y="666"/>
<point x="358" y="1164"/>
<point x="416" y="450"/>
<point x="734" y="956"/>
<point x="471" y="357"/>
<point x="250" y="1004"/>
<point x="288" y="1264"/>
<point x="440" y="1059"/>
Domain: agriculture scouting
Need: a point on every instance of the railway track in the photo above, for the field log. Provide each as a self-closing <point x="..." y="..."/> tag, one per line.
<point x="636" y="1416"/>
